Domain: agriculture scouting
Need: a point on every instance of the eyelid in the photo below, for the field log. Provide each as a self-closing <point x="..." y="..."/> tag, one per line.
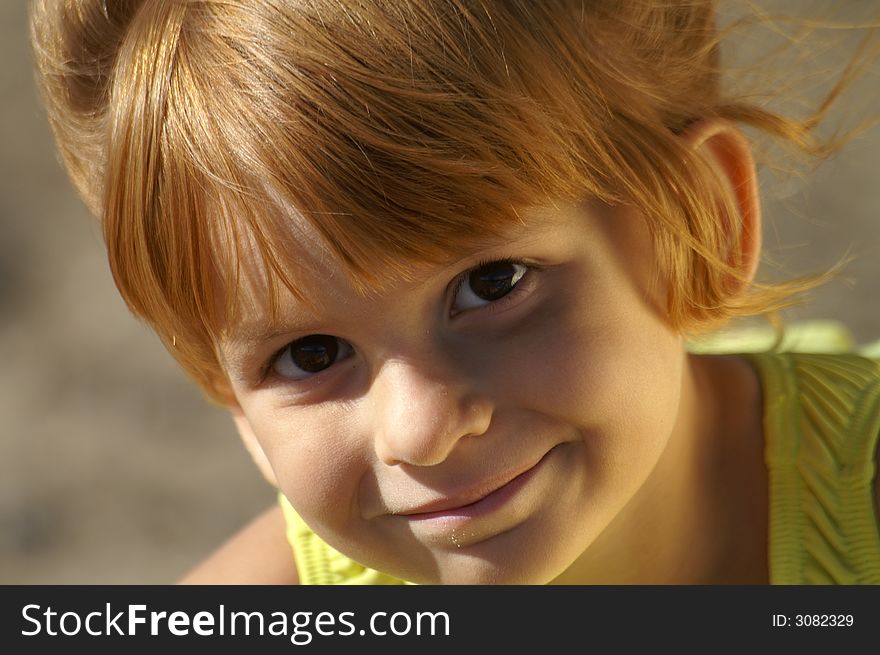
<point x="493" y="306"/>
<point x="267" y="369"/>
<point x="459" y="280"/>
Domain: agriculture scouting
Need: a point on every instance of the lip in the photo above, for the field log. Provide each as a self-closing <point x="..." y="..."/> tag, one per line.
<point x="468" y="506"/>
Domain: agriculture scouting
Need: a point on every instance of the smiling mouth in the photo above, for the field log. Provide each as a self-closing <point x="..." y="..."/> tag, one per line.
<point x="463" y="507"/>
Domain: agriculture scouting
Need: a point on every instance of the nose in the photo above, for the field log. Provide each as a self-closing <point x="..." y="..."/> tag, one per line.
<point x="422" y="412"/>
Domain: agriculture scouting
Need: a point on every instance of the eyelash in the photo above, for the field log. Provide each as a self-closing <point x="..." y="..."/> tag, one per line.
<point x="496" y="305"/>
<point x="493" y="306"/>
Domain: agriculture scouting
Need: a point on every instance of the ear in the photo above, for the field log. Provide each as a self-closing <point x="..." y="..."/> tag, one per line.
<point x="727" y="151"/>
<point x="246" y="432"/>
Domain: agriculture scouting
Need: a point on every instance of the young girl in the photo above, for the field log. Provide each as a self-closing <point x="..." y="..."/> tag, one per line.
<point x="440" y="258"/>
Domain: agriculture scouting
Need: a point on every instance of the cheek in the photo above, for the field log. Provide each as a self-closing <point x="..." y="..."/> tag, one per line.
<point x="614" y="373"/>
<point x="317" y="460"/>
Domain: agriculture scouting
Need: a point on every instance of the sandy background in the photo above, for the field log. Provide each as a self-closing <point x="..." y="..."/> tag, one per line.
<point x="112" y="467"/>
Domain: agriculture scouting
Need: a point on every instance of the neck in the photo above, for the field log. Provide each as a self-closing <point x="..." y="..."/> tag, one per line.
<point x="700" y="517"/>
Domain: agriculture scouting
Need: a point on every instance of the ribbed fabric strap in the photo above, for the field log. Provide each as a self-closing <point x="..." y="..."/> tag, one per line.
<point x="821" y="424"/>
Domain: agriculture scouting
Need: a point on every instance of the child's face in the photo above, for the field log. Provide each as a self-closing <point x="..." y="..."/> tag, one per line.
<point x="481" y="432"/>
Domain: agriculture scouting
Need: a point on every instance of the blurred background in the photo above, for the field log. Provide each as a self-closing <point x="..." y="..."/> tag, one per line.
<point x="113" y="469"/>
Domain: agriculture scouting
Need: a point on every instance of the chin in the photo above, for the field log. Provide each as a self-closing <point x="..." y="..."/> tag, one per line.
<point x="482" y="573"/>
<point x="513" y="565"/>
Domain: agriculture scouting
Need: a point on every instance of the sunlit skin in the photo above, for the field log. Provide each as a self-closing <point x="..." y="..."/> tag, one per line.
<point x="631" y="450"/>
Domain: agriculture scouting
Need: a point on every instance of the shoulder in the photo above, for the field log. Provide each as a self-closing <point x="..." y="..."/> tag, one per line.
<point x="258" y="554"/>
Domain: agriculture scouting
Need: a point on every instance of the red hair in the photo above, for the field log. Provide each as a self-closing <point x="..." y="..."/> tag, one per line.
<point x="400" y="130"/>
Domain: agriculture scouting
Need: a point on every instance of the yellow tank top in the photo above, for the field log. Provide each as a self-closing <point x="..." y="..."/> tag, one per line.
<point x="821" y="422"/>
<point x="319" y="563"/>
<point x="821" y="425"/>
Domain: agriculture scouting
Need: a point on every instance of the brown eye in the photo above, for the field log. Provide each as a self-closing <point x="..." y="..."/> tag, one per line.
<point x="310" y="355"/>
<point x="495" y="280"/>
<point x="487" y="283"/>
